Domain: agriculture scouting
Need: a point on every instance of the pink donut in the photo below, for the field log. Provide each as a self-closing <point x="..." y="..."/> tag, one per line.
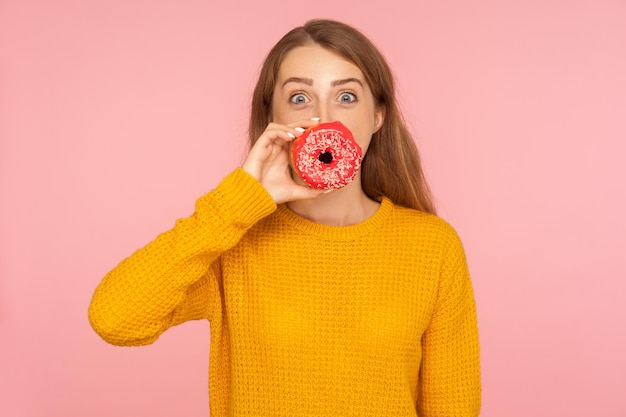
<point x="326" y="156"/>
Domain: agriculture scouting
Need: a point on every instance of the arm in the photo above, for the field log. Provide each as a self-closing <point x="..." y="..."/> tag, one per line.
<point x="450" y="372"/>
<point x="175" y="277"/>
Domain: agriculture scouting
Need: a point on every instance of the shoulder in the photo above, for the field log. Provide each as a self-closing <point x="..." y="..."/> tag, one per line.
<point x="425" y="227"/>
<point x="424" y="222"/>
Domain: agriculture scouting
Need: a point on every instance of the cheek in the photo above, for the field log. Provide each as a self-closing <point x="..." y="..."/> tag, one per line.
<point x="281" y="114"/>
<point x="274" y="114"/>
<point x="363" y="137"/>
<point x="276" y="109"/>
<point x="365" y="146"/>
<point x="362" y="129"/>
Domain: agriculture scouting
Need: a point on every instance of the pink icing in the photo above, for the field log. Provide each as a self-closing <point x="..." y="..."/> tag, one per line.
<point x="333" y="138"/>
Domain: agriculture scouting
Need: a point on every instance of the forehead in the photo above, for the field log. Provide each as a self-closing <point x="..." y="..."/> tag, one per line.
<point x="315" y="62"/>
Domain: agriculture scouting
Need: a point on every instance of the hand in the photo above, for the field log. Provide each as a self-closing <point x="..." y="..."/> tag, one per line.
<point x="268" y="162"/>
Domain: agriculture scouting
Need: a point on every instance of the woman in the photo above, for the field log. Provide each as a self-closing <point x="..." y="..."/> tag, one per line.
<point x="356" y="302"/>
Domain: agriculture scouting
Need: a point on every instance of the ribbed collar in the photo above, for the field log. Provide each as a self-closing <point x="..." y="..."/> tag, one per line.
<point x="371" y="224"/>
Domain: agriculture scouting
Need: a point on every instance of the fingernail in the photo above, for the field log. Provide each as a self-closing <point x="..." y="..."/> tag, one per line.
<point x="328" y="191"/>
<point x="299" y="129"/>
<point x="315" y="119"/>
<point x="291" y="135"/>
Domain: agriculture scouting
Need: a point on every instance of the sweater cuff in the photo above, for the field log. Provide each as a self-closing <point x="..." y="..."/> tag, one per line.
<point x="242" y="199"/>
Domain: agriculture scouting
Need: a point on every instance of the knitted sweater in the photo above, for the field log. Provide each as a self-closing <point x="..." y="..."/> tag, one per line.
<point x="374" y="319"/>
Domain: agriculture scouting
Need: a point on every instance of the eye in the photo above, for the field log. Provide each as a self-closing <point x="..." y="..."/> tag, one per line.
<point x="298" y="98"/>
<point x="347" y="97"/>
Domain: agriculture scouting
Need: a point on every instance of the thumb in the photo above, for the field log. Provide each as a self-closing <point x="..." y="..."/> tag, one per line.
<point x="303" y="192"/>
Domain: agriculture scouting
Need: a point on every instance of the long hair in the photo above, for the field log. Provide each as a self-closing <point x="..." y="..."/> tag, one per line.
<point x="391" y="167"/>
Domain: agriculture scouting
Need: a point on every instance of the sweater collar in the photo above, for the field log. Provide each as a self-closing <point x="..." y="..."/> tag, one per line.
<point x="369" y="225"/>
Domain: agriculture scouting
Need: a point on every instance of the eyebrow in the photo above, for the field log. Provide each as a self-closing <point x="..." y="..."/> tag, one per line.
<point x="300" y="80"/>
<point x="346" y="81"/>
<point x="309" y="81"/>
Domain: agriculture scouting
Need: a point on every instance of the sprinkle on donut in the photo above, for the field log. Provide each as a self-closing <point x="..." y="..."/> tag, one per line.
<point x="326" y="156"/>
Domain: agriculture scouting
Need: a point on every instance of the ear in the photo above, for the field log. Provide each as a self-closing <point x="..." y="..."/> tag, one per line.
<point x="379" y="117"/>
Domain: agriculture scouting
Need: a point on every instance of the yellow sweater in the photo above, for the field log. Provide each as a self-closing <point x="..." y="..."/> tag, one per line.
<point x="375" y="319"/>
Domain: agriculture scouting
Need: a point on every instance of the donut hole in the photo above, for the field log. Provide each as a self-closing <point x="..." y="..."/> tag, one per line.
<point x="325" y="157"/>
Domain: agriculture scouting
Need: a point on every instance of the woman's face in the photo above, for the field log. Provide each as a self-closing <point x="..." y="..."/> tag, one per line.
<point x="315" y="82"/>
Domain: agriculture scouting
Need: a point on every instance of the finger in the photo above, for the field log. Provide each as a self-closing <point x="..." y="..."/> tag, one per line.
<point x="302" y="192"/>
<point x="278" y="136"/>
<point x="305" y="123"/>
<point x="295" y="128"/>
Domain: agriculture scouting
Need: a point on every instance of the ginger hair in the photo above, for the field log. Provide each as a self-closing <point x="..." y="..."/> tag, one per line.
<point x="392" y="166"/>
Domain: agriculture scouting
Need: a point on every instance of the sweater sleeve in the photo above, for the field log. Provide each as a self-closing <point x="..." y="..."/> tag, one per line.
<point x="450" y="373"/>
<point x="176" y="277"/>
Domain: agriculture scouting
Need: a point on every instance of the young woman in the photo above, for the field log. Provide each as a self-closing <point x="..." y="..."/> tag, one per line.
<point x="354" y="302"/>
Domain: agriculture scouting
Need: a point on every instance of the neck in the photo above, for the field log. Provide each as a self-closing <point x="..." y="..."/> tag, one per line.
<point x="343" y="207"/>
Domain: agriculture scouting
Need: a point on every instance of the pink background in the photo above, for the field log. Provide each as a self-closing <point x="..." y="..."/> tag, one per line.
<point x="116" y="115"/>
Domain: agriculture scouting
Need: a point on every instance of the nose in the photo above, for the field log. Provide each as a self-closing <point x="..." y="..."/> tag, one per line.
<point x="324" y="112"/>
